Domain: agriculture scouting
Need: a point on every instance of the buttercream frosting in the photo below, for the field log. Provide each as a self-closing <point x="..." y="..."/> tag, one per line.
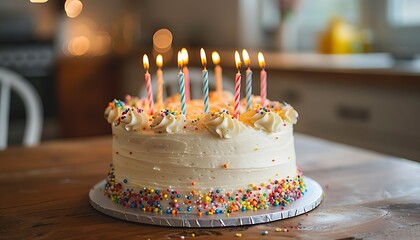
<point x="114" y="110"/>
<point x="264" y="119"/>
<point x="134" y="119"/>
<point x="223" y="124"/>
<point x="167" y="121"/>
<point x="289" y="113"/>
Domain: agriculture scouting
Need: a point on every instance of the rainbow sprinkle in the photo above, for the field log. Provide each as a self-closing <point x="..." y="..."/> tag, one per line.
<point x="277" y="193"/>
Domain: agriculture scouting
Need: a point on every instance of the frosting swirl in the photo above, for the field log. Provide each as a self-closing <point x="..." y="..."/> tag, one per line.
<point x="134" y="119"/>
<point x="289" y="113"/>
<point x="223" y="124"/>
<point x="166" y="121"/>
<point x="264" y="119"/>
<point x="113" y="111"/>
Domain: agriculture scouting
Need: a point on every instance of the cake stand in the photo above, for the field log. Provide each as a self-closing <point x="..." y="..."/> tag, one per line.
<point x="306" y="203"/>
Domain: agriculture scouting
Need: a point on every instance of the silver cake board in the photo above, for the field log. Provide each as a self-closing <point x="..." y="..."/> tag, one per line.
<point x="310" y="200"/>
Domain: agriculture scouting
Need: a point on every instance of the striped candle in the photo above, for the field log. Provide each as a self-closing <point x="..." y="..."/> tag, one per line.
<point x="181" y="84"/>
<point x="185" y="59"/>
<point x="148" y="84"/>
<point x="248" y="88"/>
<point x="205" y="81"/>
<point x="182" y="92"/>
<point x="237" y="94"/>
<point x="248" y="79"/>
<point x="237" y="85"/>
<point x="206" y="90"/>
<point x="263" y="79"/>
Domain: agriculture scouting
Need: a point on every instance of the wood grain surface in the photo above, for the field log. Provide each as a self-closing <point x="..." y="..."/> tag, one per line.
<point x="44" y="195"/>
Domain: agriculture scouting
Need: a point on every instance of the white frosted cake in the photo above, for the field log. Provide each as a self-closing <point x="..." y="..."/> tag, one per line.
<point x="202" y="163"/>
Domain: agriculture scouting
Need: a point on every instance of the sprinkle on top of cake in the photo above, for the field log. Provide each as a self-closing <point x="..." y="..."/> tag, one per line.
<point x="132" y="112"/>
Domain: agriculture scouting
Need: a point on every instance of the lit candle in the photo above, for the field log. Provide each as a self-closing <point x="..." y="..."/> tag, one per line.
<point x="159" y="74"/>
<point x="181" y="84"/>
<point x="263" y="78"/>
<point x="205" y="81"/>
<point x="237" y="84"/>
<point x="217" y="72"/>
<point x="148" y="83"/>
<point x="184" y="54"/>
<point x="248" y="78"/>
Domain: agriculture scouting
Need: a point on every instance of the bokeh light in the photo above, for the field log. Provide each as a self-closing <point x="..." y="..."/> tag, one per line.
<point x="73" y="8"/>
<point x="79" y="46"/>
<point x="162" y="40"/>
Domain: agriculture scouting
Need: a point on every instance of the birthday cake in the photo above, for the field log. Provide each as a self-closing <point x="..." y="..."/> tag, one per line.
<point x="205" y="156"/>
<point x="169" y="162"/>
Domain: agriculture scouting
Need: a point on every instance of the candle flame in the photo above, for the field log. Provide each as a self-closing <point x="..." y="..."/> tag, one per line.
<point x="203" y="57"/>
<point x="159" y="60"/>
<point x="215" y="57"/>
<point x="245" y="56"/>
<point x="145" y="62"/>
<point x="237" y="60"/>
<point x="180" y="62"/>
<point x="184" y="53"/>
<point x="261" y="60"/>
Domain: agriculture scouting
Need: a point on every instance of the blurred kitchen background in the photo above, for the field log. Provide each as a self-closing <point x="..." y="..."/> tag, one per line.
<point x="351" y="68"/>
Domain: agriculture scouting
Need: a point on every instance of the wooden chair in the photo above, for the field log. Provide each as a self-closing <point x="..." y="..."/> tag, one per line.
<point x="10" y="80"/>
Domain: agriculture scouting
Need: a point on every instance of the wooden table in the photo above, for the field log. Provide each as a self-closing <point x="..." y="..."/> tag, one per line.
<point x="44" y="195"/>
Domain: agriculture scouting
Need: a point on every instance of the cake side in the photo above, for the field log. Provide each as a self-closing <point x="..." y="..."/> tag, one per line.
<point x="200" y="161"/>
<point x="203" y="163"/>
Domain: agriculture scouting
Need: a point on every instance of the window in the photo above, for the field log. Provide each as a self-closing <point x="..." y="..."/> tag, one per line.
<point x="403" y="13"/>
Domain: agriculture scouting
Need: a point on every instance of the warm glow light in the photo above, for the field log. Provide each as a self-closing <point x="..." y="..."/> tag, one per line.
<point x="39" y="1"/>
<point x="101" y="44"/>
<point x="215" y="57"/>
<point x="184" y="53"/>
<point x="162" y="40"/>
<point x="203" y="57"/>
<point x="180" y="62"/>
<point x="73" y="8"/>
<point x="79" y="45"/>
<point x="159" y="60"/>
<point x="245" y="56"/>
<point x="261" y="60"/>
<point x="145" y="62"/>
<point x="237" y="60"/>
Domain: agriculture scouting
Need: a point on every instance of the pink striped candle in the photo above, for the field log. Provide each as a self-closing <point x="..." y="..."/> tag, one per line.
<point x="237" y="85"/>
<point x="263" y="79"/>
<point x="148" y="83"/>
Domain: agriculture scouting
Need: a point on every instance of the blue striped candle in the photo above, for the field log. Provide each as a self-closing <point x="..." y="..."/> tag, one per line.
<point x="182" y="92"/>
<point x="205" y="81"/>
<point x="206" y="90"/>
<point x="245" y="55"/>
<point x="248" y="88"/>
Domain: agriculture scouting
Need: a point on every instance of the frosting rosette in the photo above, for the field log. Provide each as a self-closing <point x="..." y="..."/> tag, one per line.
<point x="289" y="113"/>
<point x="223" y="124"/>
<point x="167" y="121"/>
<point x="264" y="119"/>
<point x="114" y="110"/>
<point x="134" y="119"/>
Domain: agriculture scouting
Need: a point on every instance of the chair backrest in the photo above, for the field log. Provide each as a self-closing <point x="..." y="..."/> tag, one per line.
<point x="171" y="83"/>
<point x="10" y="80"/>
